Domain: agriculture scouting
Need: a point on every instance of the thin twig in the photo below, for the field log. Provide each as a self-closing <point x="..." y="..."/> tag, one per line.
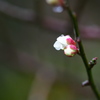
<point x="82" y="53"/>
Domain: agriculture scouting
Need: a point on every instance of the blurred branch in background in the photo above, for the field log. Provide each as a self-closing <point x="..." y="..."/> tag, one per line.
<point x="44" y="79"/>
<point x="16" y="12"/>
<point x="38" y="7"/>
<point x="50" y="22"/>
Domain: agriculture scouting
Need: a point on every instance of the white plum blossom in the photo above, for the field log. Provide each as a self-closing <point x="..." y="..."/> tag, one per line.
<point x="67" y="44"/>
<point x="63" y="41"/>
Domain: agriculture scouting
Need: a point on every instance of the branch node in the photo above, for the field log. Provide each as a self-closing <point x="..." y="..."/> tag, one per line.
<point x="78" y="39"/>
<point x="74" y="14"/>
<point x="78" y="52"/>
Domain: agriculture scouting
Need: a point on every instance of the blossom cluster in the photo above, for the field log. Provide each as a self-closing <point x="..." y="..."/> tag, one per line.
<point x="67" y="44"/>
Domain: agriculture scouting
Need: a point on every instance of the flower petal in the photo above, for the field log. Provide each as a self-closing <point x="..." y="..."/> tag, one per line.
<point x="58" y="46"/>
<point x="70" y="50"/>
<point x="62" y="40"/>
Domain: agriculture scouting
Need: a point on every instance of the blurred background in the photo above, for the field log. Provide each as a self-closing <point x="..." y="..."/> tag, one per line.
<point x="30" y="68"/>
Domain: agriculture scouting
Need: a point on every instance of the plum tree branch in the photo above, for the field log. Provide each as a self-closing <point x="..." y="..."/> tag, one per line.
<point x="82" y="52"/>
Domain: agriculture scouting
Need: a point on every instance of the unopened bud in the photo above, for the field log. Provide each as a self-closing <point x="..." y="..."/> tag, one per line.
<point x="70" y="50"/>
<point x="85" y="83"/>
<point x="93" y="62"/>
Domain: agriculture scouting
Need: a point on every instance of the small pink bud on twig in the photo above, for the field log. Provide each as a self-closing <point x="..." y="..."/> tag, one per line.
<point x="78" y="39"/>
<point x="93" y="62"/>
<point x="70" y="50"/>
<point x="85" y="83"/>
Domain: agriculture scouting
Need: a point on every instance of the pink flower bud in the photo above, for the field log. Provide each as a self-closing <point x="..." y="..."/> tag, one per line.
<point x="70" y="40"/>
<point x="63" y="41"/>
<point x="71" y="50"/>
